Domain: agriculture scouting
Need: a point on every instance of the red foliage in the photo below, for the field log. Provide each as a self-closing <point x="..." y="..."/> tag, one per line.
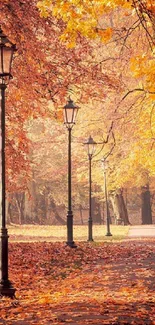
<point x="43" y="69"/>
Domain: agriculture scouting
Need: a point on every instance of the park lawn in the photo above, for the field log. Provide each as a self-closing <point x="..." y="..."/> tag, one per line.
<point x="30" y="233"/>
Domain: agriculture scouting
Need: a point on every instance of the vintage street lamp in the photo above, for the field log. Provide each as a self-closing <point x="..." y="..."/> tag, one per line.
<point x="91" y="146"/>
<point x="70" y="111"/>
<point x="104" y="163"/>
<point x="7" y="50"/>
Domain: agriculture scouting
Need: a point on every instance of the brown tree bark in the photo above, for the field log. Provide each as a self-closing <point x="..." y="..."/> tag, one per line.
<point x="8" y="212"/>
<point x="146" y="212"/>
<point x="81" y="216"/>
<point x="96" y="211"/>
<point x="34" y="201"/>
<point x="20" y="203"/>
<point x="119" y="208"/>
<point x="57" y="216"/>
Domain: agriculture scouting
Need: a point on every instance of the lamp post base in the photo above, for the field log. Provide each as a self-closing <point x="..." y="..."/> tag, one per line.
<point x="90" y="229"/>
<point x="108" y="234"/>
<point x="6" y="289"/>
<point x="71" y="244"/>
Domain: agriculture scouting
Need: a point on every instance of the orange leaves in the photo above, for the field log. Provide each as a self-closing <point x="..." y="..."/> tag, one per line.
<point x="105" y="35"/>
<point x="104" y="284"/>
<point x="150" y="6"/>
<point x="44" y="70"/>
<point x="59" y="115"/>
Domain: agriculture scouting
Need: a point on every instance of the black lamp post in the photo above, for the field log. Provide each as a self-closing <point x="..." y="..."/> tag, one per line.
<point x="91" y="145"/>
<point x="106" y="198"/>
<point x="70" y="111"/>
<point x="7" y="50"/>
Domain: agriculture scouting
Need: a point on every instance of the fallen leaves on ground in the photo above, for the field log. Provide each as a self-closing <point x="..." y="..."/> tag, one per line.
<point x="106" y="283"/>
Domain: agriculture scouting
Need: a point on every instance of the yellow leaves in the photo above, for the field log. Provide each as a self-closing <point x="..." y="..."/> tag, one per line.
<point x="71" y="45"/>
<point x="127" y="5"/>
<point x="150" y="74"/>
<point x="56" y="11"/>
<point x="143" y="66"/>
<point x="65" y="11"/>
<point x="80" y="17"/>
<point x="43" y="7"/>
<point x="138" y="65"/>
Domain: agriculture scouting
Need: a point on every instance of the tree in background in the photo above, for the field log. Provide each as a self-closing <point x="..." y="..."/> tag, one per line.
<point x="112" y="80"/>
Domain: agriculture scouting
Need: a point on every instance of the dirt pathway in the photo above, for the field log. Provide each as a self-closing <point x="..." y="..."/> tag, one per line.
<point x="141" y="231"/>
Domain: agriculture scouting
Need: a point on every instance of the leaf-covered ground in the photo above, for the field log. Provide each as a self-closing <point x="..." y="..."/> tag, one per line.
<point x="106" y="283"/>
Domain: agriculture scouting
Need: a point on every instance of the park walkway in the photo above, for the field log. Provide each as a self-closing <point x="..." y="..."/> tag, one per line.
<point x="141" y="231"/>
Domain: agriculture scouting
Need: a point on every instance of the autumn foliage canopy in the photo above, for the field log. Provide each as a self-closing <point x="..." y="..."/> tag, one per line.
<point x="102" y="53"/>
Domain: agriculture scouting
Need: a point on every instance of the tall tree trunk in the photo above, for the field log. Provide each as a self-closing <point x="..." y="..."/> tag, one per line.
<point x="34" y="200"/>
<point x="119" y="208"/>
<point x="103" y="213"/>
<point x="9" y="217"/>
<point x="146" y="212"/>
<point x="28" y="208"/>
<point x="81" y="216"/>
<point x="96" y="211"/>
<point x="20" y="203"/>
<point x="7" y="211"/>
<point x="56" y="214"/>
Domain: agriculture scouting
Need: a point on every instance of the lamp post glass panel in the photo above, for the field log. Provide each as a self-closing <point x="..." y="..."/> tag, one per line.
<point x="105" y="167"/>
<point x="70" y="111"/>
<point x="91" y="146"/>
<point x="7" y="50"/>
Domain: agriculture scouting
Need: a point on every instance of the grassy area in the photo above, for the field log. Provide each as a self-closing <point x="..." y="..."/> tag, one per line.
<point x="58" y="233"/>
